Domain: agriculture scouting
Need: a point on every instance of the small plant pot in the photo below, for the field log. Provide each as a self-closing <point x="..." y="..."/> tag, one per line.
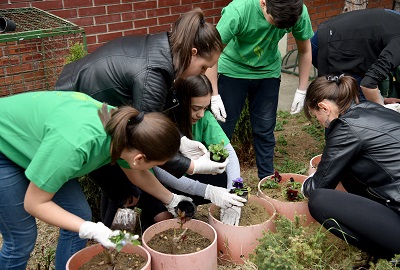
<point x="188" y="207"/>
<point x="245" y="194"/>
<point x="286" y="208"/>
<point x="313" y="168"/>
<point x="203" y="259"/>
<point x="235" y="243"/>
<point x="85" y="255"/>
<point x="219" y="161"/>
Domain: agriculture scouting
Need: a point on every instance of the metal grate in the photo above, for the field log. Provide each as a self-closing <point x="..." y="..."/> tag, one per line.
<point x="32" y="56"/>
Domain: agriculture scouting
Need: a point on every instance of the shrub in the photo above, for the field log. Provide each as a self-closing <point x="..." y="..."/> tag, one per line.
<point x="76" y="51"/>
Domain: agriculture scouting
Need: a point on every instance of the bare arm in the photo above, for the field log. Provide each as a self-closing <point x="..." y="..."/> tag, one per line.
<point x="372" y="94"/>
<point x="38" y="203"/>
<point x="304" y="50"/>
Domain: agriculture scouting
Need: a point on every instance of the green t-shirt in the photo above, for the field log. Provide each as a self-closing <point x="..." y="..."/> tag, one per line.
<point x="55" y="136"/>
<point x="207" y="130"/>
<point x="252" y="50"/>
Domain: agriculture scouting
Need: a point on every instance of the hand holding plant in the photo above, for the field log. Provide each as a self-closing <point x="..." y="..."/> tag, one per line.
<point x="218" y="151"/>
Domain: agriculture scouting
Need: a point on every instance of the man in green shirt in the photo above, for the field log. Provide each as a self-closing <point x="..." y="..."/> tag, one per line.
<point x="250" y="67"/>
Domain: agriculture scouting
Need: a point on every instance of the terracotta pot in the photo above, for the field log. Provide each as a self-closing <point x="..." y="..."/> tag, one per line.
<point x="288" y="209"/>
<point x="203" y="259"/>
<point x="84" y="255"/>
<point x="236" y="242"/>
<point x="313" y="168"/>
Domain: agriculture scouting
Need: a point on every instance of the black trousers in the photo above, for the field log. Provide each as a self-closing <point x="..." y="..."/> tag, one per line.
<point x="370" y="226"/>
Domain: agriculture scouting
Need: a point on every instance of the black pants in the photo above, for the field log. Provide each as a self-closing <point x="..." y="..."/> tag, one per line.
<point x="366" y="224"/>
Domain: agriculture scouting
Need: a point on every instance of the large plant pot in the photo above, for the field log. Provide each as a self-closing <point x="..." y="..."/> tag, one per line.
<point x="86" y="254"/>
<point x="313" y="168"/>
<point x="236" y="242"/>
<point x="286" y="208"/>
<point x="203" y="259"/>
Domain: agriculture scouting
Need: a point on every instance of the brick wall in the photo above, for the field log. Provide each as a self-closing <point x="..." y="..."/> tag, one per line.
<point x="104" y="20"/>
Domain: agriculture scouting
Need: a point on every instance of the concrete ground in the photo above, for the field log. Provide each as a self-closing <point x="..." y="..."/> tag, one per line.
<point x="289" y="85"/>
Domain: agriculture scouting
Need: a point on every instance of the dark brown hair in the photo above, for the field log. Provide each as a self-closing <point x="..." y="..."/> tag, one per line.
<point x="193" y="86"/>
<point x="284" y="13"/>
<point x="153" y="134"/>
<point x="192" y="31"/>
<point x="342" y="90"/>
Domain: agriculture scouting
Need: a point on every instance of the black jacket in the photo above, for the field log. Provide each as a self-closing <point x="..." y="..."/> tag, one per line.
<point x="131" y="70"/>
<point x="362" y="42"/>
<point x="363" y="152"/>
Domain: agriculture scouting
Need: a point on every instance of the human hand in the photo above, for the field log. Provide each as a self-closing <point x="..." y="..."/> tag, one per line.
<point x="298" y="101"/>
<point x="205" y="165"/>
<point x="174" y="202"/>
<point x="192" y="149"/>
<point x="395" y="107"/>
<point x="222" y="198"/>
<point x="231" y="215"/>
<point x="99" y="232"/>
<point x="391" y="100"/>
<point x="218" y="108"/>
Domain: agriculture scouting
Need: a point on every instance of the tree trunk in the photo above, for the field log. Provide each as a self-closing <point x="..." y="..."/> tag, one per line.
<point x="350" y="5"/>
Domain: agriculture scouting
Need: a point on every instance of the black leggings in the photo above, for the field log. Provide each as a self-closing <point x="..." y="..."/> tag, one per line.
<point x="368" y="225"/>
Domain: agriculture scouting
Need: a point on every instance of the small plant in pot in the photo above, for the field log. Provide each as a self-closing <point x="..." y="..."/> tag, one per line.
<point x="239" y="188"/>
<point x="290" y="189"/>
<point x="120" y="240"/>
<point x="218" y="152"/>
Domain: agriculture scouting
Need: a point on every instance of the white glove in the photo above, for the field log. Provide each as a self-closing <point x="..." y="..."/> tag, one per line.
<point x="218" y="108"/>
<point x="298" y="101"/>
<point x="222" y="198"/>
<point x="231" y="215"/>
<point x="192" y="149"/>
<point x="174" y="202"/>
<point x="205" y="165"/>
<point x="99" y="232"/>
<point x="394" y="106"/>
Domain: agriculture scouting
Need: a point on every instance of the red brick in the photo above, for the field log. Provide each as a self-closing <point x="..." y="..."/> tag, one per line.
<point x="134" y="15"/>
<point x="160" y="28"/>
<point x="168" y="3"/>
<point x="102" y="19"/>
<point x="91" y="11"/>
<point x="105" y="2"/>
<point x="65" y="13"/>
<point x="119" y="26"/>
<point x="158" y="12"/>
<point x="84" y="21"/>
<point x="119" y="8"/>
<point x="181" y="9"/>
<point x="96" y="29"/>
<point x="77" y="3"/>
<point x="145" y="23"/>
<point x="167" y="19"/>
<point x="108" y="37"/>
<point x="48" y="5"/>
<point x="145" y="5"/>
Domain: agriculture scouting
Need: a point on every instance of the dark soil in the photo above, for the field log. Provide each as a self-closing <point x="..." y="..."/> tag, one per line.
<point x="123" y="261"/>
<point x="192" y="242"/>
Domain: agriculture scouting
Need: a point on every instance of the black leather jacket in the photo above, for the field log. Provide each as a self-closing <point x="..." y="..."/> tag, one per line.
<point x="363" y="152"/>
<point x="131" y="70"/>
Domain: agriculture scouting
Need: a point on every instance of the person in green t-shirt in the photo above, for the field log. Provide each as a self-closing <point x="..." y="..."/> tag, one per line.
<point x="49" y="139"/>
<point x="196" y="122"/>
<point x="250" y="67"/>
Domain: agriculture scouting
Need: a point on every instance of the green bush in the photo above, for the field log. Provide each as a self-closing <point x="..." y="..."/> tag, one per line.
<point x="76" y="51"/>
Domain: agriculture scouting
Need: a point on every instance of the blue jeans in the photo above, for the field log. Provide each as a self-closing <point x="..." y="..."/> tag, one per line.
<point x="18" y="228"/>
<point x="263" y="97"/>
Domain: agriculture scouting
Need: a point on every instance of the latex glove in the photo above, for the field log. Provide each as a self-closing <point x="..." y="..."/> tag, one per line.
<point x="205" y="165"/>
<point x="99" y="232"/>
<point x="218" y="108"/>
<point x="174" y="202"/>
<point x="222" y="198"/>
<point x="298" y="101"/>
<point x="394" y="106"/>
<point x="302" y="185"/>
<point x="231" y="215"/>
<point x="192" y="149"/>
